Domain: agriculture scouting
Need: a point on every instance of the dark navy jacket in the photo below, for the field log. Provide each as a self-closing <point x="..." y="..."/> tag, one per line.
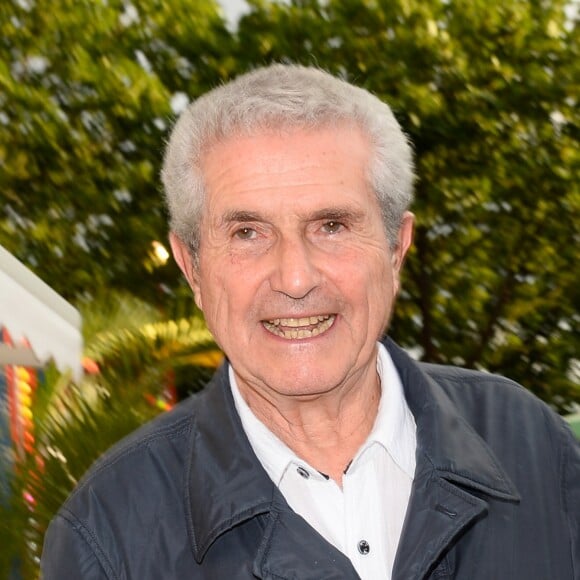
<point x="496" y="495"/>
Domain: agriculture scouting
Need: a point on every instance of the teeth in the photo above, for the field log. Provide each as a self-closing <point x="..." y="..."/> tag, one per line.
<point x="290" y="328"/>
<point x="297" y="322"/>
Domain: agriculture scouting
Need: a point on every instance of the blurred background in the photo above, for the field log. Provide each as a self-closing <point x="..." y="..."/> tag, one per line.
<point x="488" y="93"/>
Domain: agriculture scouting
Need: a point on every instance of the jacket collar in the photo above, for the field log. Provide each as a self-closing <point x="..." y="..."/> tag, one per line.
<point x="445" y="441"/>
<point x="226" y="483"/>
<point x="457" y="474"/>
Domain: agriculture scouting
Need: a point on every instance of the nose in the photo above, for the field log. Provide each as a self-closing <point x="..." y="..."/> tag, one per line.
<point x="294" y="272"/>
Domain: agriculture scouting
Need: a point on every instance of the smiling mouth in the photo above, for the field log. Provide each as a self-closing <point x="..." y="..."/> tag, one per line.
<point x="296" y="328"/>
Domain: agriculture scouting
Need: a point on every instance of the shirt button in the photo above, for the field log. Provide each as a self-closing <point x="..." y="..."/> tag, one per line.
<point x="363" y="547"/>
<point x="303" y="472"/>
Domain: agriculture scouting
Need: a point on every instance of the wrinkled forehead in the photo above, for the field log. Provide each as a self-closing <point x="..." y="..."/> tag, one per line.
<point x="269" y="151"/>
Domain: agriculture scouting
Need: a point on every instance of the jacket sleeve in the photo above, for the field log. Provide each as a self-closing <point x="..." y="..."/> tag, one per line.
<point x="69" y="553"/>
<point x="571" y="490"/>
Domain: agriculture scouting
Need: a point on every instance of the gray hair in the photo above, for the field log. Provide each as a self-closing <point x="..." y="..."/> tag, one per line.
<point x="286" y="97"/>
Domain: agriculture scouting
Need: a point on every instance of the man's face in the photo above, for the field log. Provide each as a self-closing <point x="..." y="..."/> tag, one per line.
<point x="296" y="278"/>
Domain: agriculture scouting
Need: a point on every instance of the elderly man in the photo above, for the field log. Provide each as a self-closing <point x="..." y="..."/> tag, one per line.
<point x="317" y="451"/>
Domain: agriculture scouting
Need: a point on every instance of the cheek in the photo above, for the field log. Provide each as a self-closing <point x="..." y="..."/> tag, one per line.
<point x="381" y="288"/>
<point x="226" y="297"/>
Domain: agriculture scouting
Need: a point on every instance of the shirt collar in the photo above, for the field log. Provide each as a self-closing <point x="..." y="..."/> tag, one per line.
<point x="274" y="455"/>
<point x="394" y="427"/>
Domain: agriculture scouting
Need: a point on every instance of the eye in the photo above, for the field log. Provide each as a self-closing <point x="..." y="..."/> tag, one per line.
<point x="245" y="233"/>
<point x="332" y="227"/>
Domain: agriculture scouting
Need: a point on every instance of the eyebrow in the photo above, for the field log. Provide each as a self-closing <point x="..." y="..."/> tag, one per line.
<point x="337" y="214"/>
<point x="340" y="214"/>
<point x="235" y="216"/>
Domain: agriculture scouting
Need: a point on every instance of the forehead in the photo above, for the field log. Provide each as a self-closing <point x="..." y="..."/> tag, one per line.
<point x="287" y="169"/>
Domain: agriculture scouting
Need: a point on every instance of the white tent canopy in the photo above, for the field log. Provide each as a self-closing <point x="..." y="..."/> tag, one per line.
<point x="31" y="310"/>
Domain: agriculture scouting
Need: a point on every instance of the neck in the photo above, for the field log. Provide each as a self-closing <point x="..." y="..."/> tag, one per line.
<point x="325" y="430"/>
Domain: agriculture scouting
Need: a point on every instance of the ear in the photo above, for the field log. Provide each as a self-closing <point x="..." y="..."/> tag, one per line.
<point x="182" y="256"/>
<point x="404" y="240"/>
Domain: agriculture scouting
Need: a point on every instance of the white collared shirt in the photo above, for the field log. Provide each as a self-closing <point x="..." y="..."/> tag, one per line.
<point x="364" y="519"/>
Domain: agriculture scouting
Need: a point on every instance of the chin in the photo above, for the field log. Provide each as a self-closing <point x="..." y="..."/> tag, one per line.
<point x="304" y="385"/>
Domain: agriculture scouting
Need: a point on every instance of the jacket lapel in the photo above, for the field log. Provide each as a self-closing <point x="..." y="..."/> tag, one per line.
<point x="292" y="549"/>
<point x="438" y="513"/>
<point x="226" y="483"/>
<point x="456" y="475"/>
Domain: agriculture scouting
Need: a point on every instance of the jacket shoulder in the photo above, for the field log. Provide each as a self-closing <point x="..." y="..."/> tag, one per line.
<point x="459" y="382"/>
<point x="140" y="486"/>
<point x="449" y="375"/>
<point x="172" y="428"/>
<point x="495" y="404"/>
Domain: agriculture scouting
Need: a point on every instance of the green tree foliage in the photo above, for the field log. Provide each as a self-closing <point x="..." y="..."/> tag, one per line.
<point x="86" y="88"/>
<point x="488" y="93"/>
